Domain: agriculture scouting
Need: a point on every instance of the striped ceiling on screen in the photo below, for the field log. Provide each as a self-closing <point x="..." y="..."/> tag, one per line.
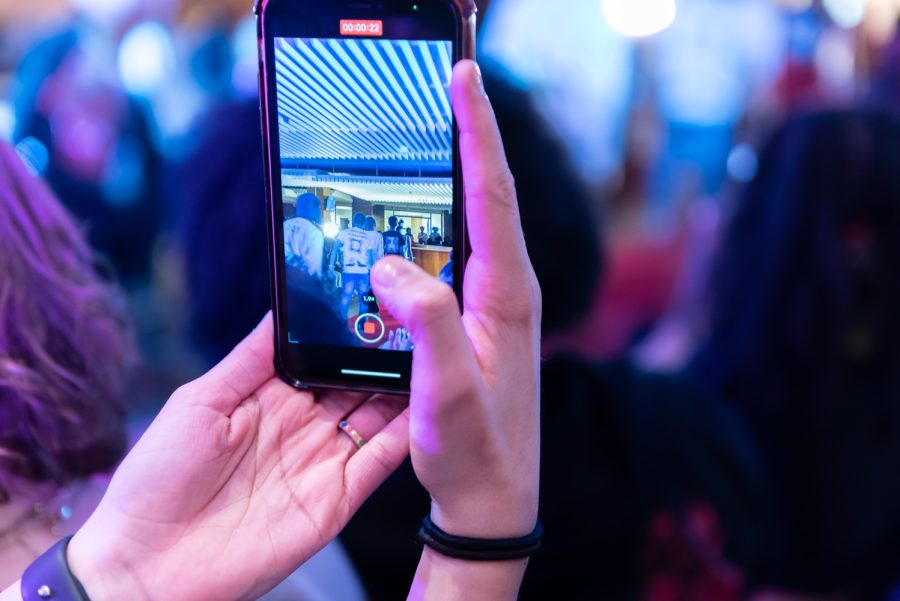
<point x="364" y="100"/>
<point x="419" y="191"/>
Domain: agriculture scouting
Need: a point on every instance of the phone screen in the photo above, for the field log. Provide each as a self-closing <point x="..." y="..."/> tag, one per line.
<point x="366" y="142"/>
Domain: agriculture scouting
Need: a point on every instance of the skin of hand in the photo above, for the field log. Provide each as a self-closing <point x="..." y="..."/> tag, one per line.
<point x="241" y="478"/>
<point x="474" y="433"/>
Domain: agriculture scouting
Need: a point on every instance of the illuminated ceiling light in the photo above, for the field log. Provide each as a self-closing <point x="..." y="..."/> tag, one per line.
<point x="146" y="59"/>
<point x="639" y="18"/>
<point x="846" y="13"/>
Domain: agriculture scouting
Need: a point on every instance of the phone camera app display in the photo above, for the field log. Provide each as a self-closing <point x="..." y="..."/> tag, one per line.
<point x="366" y="143"/>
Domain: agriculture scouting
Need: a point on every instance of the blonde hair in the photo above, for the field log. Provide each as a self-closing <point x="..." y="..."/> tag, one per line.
<point x="64" y="342"/>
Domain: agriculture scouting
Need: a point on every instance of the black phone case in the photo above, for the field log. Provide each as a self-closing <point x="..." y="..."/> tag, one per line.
<point x="467" y="10"/>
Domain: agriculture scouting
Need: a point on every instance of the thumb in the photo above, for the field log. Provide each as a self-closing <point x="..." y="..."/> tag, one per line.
<point x="428" y="308"/>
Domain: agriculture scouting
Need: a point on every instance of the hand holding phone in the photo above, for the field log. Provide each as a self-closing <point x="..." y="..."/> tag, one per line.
<point x="241" y="478"/>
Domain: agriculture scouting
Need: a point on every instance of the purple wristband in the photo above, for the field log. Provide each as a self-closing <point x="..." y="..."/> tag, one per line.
<point x="49" y="577"/>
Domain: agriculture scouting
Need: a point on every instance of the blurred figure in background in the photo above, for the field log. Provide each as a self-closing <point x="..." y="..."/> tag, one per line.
<point x="804" y="338"/>
<point x="885" y="91"/>
<point x="704" y="79"/>
<point x="222" y="231"/>
<point x="78" y="127"/>
<point x="668" y="474"/>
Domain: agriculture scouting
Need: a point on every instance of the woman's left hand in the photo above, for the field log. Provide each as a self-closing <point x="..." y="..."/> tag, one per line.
<point x="242" y="479"/>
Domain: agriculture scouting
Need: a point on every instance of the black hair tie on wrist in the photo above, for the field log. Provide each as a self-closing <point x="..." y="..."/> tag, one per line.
<point x="480" y="549"/>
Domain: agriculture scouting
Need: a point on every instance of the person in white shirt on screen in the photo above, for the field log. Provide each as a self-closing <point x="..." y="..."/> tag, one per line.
<point x="359" y="258"/>
<point x="304" y="242"/>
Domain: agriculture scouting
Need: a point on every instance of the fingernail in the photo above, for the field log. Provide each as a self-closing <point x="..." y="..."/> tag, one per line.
<point x="388" y="274"/>
<point x="479" y="78"/>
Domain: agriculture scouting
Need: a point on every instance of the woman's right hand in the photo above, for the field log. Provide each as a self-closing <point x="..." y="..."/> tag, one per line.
<point x="474" y="432"/>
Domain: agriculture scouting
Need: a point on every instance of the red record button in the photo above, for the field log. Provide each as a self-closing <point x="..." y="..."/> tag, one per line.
<point x="355" y="27"/>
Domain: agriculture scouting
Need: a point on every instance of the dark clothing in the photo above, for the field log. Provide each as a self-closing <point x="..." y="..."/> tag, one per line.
<point x="435" y="240"/>
<point x="645" y="481"/>
<point x="227" y="281"/>
<point x="832" y="449"/>
<point x="626" y="454"/>
<point x="394" y="243"/>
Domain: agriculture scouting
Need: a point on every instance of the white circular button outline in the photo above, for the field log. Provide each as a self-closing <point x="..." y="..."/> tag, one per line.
<point x="366" y="340"/>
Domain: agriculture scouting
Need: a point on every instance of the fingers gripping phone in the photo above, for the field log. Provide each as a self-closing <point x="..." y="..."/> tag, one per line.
<point x="361" y="163"/>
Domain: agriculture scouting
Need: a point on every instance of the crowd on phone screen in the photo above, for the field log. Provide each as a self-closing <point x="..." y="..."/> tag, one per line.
<point x="770" y="462"/>
<point x="338" y="270"/>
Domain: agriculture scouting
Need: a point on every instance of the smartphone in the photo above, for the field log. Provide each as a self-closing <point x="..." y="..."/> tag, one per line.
<point x="362" y="162"/>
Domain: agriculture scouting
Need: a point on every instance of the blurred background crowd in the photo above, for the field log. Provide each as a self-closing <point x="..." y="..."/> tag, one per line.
<point x="710" y="192"/>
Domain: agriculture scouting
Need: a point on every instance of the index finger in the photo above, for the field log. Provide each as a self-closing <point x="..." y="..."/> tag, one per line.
<point x="242" y="372"/>
<point x="492" y="211"/>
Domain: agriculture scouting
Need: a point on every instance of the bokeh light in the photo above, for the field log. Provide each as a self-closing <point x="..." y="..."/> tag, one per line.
<point x="7" y="120"/>
<point x="639" y="18"/>
<point x="846" y="13"/>
<point x="743" y="163"/>
<point x="146" y="59"/>
<point x="331" y="229"/>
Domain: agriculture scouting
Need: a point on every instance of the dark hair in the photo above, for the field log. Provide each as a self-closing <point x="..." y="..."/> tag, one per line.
<point x="561" y="229"/>
<point x="885" y="89"/>
<point x="392" y="221"/>
<point x="309" y="207"/>
<point x="804" y="334"/>
<point x="359" y="220"/>
<point x="64" y="342"/>
<point x="808" y="267"/>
